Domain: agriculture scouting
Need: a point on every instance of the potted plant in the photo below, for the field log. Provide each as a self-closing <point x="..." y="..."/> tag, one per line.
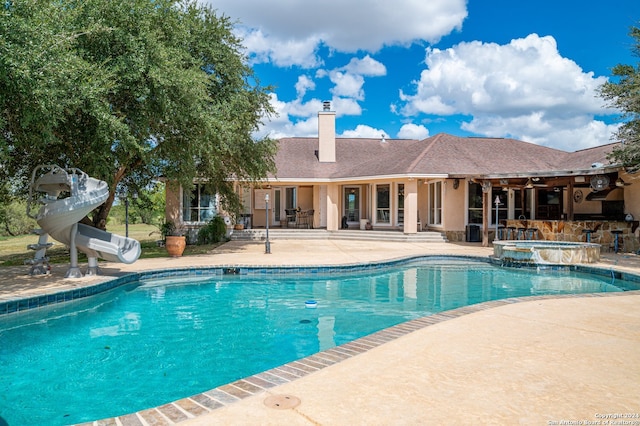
<point x="237" y="220"/>
<point x="175" y="241"/>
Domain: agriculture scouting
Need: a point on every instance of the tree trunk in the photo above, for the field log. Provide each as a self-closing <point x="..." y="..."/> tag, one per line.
<point x="102" y="212"/>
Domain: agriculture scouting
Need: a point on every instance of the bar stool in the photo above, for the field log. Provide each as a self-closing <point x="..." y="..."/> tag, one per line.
<point x="502" y="231"/>
<point x="530" y="232"/>
<point x="521" y="234"/>
<point x="616" y="242"/>
<point x="511" y="232"/>
<point x="587" y="233"/>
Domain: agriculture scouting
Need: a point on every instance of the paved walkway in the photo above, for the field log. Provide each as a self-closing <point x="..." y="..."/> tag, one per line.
<point x="543" y="361"/>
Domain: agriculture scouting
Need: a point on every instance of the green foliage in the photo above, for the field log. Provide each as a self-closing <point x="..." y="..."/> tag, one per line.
<point x="150" y="203"/>
<point x="624" y="94"/>
<point x="129" y="90"/>
<point x="146" y="207"/>
<point x="213" y="232"/>
<point x="166" y="229"/>
<point x="14" y="220"/>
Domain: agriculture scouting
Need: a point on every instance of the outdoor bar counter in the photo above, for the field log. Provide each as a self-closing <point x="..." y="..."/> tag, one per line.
<point x="599" y="231"/>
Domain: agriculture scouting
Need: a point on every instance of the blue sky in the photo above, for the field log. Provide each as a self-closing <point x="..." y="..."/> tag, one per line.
<point x="414" y="68"/>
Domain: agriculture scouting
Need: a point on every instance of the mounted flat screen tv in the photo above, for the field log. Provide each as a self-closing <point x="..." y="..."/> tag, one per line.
<point x="553" y="198"/>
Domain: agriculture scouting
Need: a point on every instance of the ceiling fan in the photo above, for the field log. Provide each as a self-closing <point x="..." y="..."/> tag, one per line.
<point x="599" y="182"/>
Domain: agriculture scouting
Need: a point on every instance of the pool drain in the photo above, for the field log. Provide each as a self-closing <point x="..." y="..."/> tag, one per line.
<point x="282" y="402"/>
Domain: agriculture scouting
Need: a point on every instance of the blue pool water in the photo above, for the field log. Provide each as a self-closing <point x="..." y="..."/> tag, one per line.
<point x="149" y="343"/>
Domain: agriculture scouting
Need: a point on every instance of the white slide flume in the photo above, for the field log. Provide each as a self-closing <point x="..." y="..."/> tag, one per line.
<point x="59" y="216"/>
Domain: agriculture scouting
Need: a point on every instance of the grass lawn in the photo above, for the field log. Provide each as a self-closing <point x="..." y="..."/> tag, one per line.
<point x="13" y="250"/>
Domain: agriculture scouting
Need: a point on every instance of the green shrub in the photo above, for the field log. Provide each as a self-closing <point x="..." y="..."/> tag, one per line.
<point x="167" y="228"/>
<point x="14" y="220"/>
<point x="213" y="232"/>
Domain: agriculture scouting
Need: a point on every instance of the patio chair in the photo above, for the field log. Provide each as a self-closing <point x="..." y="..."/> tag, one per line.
<point x="290" y="215"/>
<point x="310" y="214"/>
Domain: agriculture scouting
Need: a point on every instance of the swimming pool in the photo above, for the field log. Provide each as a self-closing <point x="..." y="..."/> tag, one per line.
<point x="155" y="341"/>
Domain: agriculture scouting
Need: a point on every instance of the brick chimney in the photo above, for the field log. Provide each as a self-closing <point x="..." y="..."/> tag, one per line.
<point x="327" y="134"/>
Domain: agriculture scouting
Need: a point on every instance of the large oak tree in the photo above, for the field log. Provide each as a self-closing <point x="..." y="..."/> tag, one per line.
<point x="127" y="91"/>
<point x="624" y="94"/>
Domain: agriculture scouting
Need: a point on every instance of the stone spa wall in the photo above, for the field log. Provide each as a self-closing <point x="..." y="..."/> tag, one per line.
<point x="572" y="230"/>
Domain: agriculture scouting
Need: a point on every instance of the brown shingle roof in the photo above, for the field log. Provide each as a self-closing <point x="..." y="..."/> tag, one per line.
<point x="584" y="158"/>
<point x="442" y="154"/>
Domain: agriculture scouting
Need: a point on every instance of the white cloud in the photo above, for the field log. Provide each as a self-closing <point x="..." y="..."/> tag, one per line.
<point x="413" y="131"/>
<point x="366" y="66"/>
<point x="299" y="117"/>
<point x="524" y="89"/>
<point x="285" y="125"/>
<point x="570" y="134"/>
<point x="303" y="84"/>
<point x="290" y="31"/>
<point x="363" y="131"/>
<point x="523" y="75"/>
<point x="346" y="106"/>
<point x="282" y="53"/>
<point x="347" y="85"/>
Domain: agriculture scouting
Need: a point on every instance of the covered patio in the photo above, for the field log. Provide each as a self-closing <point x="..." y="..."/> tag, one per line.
<point x="592" y="205"/>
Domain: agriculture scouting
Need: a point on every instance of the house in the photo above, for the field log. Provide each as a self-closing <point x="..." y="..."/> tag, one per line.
<point x="444" y="183"/>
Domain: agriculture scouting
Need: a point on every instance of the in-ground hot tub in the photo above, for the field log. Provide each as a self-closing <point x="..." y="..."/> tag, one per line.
<point x="546" y="252"/>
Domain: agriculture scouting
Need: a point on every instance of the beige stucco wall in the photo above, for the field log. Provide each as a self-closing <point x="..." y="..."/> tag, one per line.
<point x="305" y="197"/>
<point x="585" y="206"/>
<point x="454" y="205"/>
<point x="410" y="206"/>
<point x="632" y="194"/>
<point x="327" y="136"/>
<point x="333" y="201"/>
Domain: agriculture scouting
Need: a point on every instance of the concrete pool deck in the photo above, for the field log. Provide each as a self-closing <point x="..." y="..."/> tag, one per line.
<point x="541" y="361"/>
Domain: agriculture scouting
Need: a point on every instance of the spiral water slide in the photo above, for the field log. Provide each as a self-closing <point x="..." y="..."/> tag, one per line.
<point x="59" y="216"/>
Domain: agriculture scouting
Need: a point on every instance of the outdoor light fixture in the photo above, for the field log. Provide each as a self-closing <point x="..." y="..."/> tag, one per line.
<point x="620" y="182"/>
<point x="497" y="203"/>
<point x="529" y="184"/>
<point x="267" y="244"/>
<point x="126" y="211"/>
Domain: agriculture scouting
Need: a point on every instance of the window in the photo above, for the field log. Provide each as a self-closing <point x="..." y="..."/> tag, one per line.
<point x="503" y="210"/>
<point x="246" y="218"/>
<point x="198" y="205"/>
<point x="382" y="203"/>
<point x="435" y="203"/>
<point x="400" y="203"/>
<point x="291" y="198"/>
<point x="475" y="203"/>
<point x="522" y="203"/>
<point x="352" y="203"/>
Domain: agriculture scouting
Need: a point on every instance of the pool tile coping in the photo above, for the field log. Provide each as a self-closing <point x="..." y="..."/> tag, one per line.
<point x="20" y="304"/>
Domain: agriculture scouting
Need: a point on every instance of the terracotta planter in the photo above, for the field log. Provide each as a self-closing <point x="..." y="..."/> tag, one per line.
<point x="175" y="245"/>
<point x="238" y="226"/>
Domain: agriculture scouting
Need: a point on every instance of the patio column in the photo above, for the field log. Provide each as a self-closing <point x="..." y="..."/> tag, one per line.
<point x="411" y="206"/>
<point x="569" y="194"/>
<point x="333" y="200"/>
